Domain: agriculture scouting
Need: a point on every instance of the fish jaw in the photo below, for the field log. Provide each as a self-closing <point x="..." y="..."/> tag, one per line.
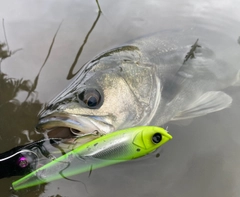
<point x="78" y="124"/>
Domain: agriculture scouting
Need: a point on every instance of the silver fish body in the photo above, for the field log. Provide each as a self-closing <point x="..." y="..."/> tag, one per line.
<point x="148" y="81"/>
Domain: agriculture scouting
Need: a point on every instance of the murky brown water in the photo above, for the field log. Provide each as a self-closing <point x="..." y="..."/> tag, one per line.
<point x="203" y="157"/>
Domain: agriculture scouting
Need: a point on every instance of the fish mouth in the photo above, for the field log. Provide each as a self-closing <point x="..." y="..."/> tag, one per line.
<point x="68" y="126"/>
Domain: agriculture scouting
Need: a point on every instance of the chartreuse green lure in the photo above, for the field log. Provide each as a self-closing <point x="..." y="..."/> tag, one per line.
<point x="116" y="147"/>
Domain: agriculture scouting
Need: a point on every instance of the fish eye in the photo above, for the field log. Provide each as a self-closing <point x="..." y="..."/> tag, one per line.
<point x="90" y="97"/>
<point x="156" y="138"/>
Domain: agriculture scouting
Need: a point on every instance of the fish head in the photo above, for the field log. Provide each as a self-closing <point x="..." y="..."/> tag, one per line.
<point x="114" y="91"/>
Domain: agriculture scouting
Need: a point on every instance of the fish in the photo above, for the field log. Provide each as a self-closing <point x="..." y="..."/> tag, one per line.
<point x="152" y="80"/>
<point x="116" y="147"/>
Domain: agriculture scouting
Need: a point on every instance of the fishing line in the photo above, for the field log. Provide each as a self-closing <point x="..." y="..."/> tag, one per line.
<point x="30" y="151"/>
<point x="90" y="171"/>
<point x="61" y="173"/>
<point x="21" y="151"/>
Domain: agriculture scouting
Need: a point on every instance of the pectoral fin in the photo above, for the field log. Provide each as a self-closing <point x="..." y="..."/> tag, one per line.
<point x="237" y="80"/>
<point x="207" y="103"/>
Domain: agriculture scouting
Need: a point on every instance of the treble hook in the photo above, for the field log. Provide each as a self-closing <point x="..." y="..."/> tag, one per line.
<point x="94" y="133"/>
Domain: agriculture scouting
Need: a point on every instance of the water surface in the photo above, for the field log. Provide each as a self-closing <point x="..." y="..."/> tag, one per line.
<point x="201" y="160"/>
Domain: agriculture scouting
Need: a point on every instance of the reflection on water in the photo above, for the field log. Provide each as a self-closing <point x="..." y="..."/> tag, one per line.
<point x="4" y="48"/>
<point x="201" y="160"/>
<point x="70" y="73"/>
<point x="13" y="109"/>
<point x="13" y="118"/>
<point x="15" y="113"/>
<point x="18" y="118"/>
<point x="18" y="112"/>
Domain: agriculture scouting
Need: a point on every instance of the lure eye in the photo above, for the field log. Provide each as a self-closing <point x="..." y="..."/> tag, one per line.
<point x="156" y="138"/>
<point x="90" y="97"/>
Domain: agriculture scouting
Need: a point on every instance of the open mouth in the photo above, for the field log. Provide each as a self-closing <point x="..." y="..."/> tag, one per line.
<point x="60" y="132"/>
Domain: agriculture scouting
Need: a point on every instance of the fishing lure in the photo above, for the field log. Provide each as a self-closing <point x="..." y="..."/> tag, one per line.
<point x="116" y="147"/>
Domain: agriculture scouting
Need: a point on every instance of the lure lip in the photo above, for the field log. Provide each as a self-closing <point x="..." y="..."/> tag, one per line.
<point x="139" y="141"/>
